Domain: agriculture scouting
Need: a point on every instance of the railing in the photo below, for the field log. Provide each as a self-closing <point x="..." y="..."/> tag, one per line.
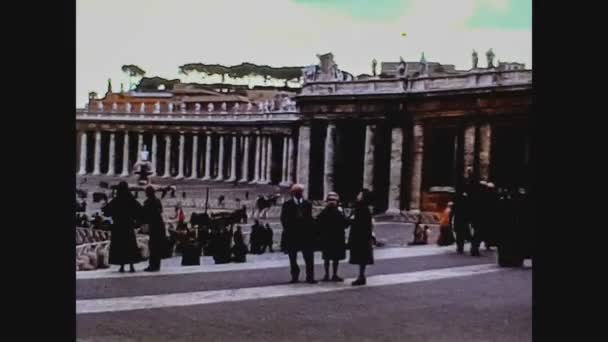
<point x="471" y="80"/>
<point x="84" y="115"/>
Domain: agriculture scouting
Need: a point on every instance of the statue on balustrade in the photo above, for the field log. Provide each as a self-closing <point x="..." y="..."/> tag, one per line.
<point x="224" y="107"/>
<point x="157" y="107"/>
<point x="114" y="106"/>
<point x="475" y="59"/>
<point x="249" y="107"/>
<point x="424" y="65"/>
<point x="100" y="106"/>
<point x="183" y="107"/>
<point x="128" y="107"/>
<point x="374" y="65"/>
<point x="401" y="67"/>
<point x="310" y="73"/>
<point x="210" y="107"/>
<point x="236" y="107"/>
<point x="142" y="108"/>
<point x="197" y="107"/>
<point x="170" y="107"/>
<point x="490" y="56"/>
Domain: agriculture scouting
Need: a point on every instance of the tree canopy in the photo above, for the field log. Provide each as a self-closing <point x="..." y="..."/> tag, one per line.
<point x="133" y="70"/>
<point x="242" y="70"/>
<point x="152" y="83"/>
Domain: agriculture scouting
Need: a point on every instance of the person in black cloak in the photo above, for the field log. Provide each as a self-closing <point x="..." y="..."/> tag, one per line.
<point x="331" y="223"/>
<point x="299" y="233"/>
<point x="268" y="238"/>
<point x="360" y="240"/>
<point x="492" y="217"/>
<point x="153" y="217"/>
<point x="479" y="212"/>
<point x="125" y="212"/>
<point x="239" y="250"/>
<point x="256" y="237"/>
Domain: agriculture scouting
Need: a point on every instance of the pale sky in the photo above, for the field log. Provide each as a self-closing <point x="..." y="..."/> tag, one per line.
<point x="161" y="35"/>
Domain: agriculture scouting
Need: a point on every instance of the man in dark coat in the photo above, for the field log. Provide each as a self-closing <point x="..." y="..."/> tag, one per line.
<point x="331" y="224"/>
<point x="479" y="216"/>
<point x="299" y="233"/>
<point x="125" y="212"/>
<point x="268" y="238"/>
<point x="256" y="237"/>
<point x="153" y="217"/>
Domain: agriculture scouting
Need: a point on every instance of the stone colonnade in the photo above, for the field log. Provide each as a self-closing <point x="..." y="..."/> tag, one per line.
<point x="218" y="161"/>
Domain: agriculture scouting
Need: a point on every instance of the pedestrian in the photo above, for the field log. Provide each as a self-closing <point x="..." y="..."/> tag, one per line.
<point x="492" y="217"/>
<point x="360" y="240"/>
<point x="125" y="212"/>
<point x="462" y="219"/>
<point x="239" y="249"/>
<point x="446" y="235"/>
<point x="256" y="237"/>
<point x="331" y="224"/>
<point x="153" y="217"/>
<point x="299" y="234"/>
<point x="180" y="216"/>
<point x="479" y="216"/>
<point x="268" y="238"/>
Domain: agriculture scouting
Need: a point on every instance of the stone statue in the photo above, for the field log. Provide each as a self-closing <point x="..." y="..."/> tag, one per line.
<point x="144" y="154"/>
<point x="114" y="106"/>
<point x="142" y="108"/>
<point x="271" y="105"/>
<point x="170" y="107"/>
<point x="401" y="67"/>
<point x="309" y="73"/>
<point x="260" y="107"/>
<point x="197" y="107"/>
<point x="183" y="107"/>
<point x="490" y="56"/>
<point x="100" y="105"/>
<point x="285" y="103"/>
<point x="157" y="107"/>
<point x="475" y="59"/>
<point x="210" y="107"/>
<point x="224" y="107"/>
<point x="374" y="65"/>
<point x="128" y="107"/>
<point x="249" y="107"/>
<point x="425" y="66"/>
<point x="236" y="107"/>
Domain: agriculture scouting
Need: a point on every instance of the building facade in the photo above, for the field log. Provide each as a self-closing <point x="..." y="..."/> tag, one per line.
<point x="410" y="139"/>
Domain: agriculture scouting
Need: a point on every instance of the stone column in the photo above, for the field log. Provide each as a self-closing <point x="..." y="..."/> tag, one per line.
<point x="245" y="171"/>
<point x="207" y="175"/>
<point x="330" y="142"/>
<point x="167" y="156"/>
<point x="469" y="148"/>
<point x="264" y="169"/>
<point x="140" y="145"/>
<point x="194" y="157"/>
<point x="258" y="152"/>
<point x="268" y="160"/>
<point x="180" y="164"/>
<point x="220" y="169"/>
<point x="418" y="150"/>
<point x="290" y="159"/>
<point x="97" y="160"/>
<point x="368" y="160"/>
<point x="111" y="150"/>
<point x="284" y="163"/>
<point x="83" y="154"/>
<point x="233" y="160"/>
<point x="125" y="156"/>
<point x="485" y="138"/>
<point x="153" y="153"/>
<point x="394" y="190"/>
<point x="303" y="163"/>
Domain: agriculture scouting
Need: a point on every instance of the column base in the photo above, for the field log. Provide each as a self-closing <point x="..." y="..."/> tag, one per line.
<point x="393" y="211"/>
<point x="206" y="178"/>
<point x="231" y="179"/>
<point x="96" y="173"/>
<point x="243" y="180"/>
<point x="110" y="174"/>
<point x="218" y="179"/>
<point x="82" y="173"/>
<point x="124" y="174"/>
<point x="179" y="177"/>
<point x="255" y="181"/>
<point x="166" y="176"/>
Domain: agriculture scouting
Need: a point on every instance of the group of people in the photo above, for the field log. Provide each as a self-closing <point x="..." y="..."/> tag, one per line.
<point x="481" y="212"/>
<point x="261" y="238"/>
<point x="304" y="233"/>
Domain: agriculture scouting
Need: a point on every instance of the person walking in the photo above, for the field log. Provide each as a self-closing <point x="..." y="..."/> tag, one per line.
<point x="153" y="217"/>
<point x="331" y="224"/>
<point x="360" y="240"/>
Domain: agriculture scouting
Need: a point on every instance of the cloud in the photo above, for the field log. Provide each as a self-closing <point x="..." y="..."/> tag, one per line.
<point x="161" y="35"/>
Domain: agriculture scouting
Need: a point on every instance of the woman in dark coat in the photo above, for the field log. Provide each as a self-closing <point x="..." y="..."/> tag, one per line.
<point x="125" y="212"/>
<point x="331" y="223"/>
<point x="153" y="217"/>
<point x="360" y="236"/>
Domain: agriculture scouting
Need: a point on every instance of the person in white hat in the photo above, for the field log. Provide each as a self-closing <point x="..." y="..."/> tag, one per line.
<point x="299" y="233"/>
<point x="332" y="224"/>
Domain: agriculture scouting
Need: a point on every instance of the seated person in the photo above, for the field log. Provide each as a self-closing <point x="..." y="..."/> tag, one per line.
<point x="239" y="250"/>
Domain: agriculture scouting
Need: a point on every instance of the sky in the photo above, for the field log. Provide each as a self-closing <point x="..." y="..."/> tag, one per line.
<point x="161" y="35"/>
